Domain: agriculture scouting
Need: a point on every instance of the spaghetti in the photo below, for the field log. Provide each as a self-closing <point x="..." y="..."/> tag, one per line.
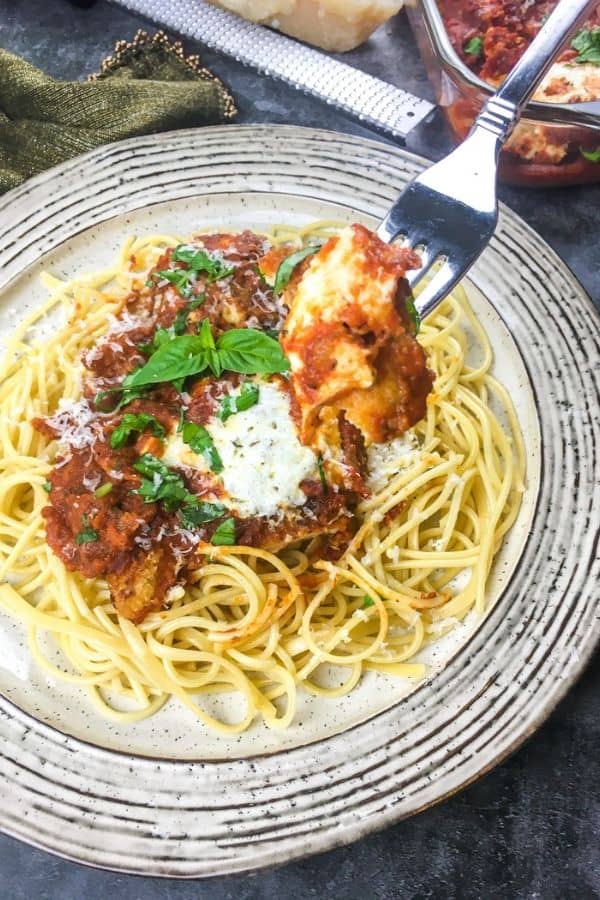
<point x="249" y="620"/>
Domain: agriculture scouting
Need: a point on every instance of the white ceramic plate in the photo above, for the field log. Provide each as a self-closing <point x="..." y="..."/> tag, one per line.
<point x="166" y="796"/>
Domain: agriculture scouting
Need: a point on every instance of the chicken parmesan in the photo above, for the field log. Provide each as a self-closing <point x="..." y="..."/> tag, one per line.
<point x="237" y="467"/>
<point x="232" y="402"/>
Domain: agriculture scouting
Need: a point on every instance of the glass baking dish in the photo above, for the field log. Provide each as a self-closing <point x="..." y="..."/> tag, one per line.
<point x="461" y="94"/>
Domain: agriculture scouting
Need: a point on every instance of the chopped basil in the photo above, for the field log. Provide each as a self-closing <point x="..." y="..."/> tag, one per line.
<point x="322" y="472"/>
<point x="200" y="261"/>
<point x="225" y="533"/>
<point x="47" y="486"/>
<point x="104" y="489"/>
<point x="159" y="482"/>
<point x="286" y="267"/>
<point x="243" y="350"/>
<point x="591" y="155"/>
<point x="179" y="278"/>
<point x="132" y="423"/>
<point x="87" y="535"/>
<point x="197" y="262"/>
<point x="587" y="44"/>
<point x="474" y="47"/>
<point x="230" y="405"/>
<point x="199" y="513"/>
<point x="413" y="314"/>
<point x="181" y="319"/>
<point x="182" y="412"/>
<point x="198" y="438"/>
<point x="127" y="395"/>
<point x="368" y="601"/>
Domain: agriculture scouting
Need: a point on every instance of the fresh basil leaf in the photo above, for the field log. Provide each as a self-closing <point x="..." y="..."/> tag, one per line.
<point x="181" y="319"/>
<point x="104" y="489"/>
<point x="413" y="313"/>
<point x="200" y="261"/>
<point x="199" y="513"/>
<point x="474" y="47"/>
<point x="87" y="535"/>
<point x="591" y="155"/>
<point x="286" y="267"/>
<point x="180" y="357"/>
<point x="225" y="533"/>
<point x="368" y="601"/>
<point x="230" y="405"/>
<point x="251" y="352"/>
<point x="47" y="486"/>
<point x="159" y="482"/>
<point x="198" y="438"/>
<point x="182" y="412"/>
<point x="134" y="423"/>
<point x="587" y="44"/>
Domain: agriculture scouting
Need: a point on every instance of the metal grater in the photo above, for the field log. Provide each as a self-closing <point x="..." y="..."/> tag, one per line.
<point x="368" y="98"/>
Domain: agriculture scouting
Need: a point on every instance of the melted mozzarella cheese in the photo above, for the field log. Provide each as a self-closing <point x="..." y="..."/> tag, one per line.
<point x="263" y="460"/>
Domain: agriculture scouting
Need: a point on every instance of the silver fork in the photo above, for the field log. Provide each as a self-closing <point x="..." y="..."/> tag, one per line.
<point x="451" y="210"/>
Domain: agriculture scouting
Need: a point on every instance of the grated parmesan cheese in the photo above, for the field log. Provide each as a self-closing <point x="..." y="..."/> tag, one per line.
<point x="384" y="460"/>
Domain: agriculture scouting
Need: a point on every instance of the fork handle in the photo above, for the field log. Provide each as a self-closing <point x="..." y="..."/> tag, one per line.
<point x="502" y="111"/>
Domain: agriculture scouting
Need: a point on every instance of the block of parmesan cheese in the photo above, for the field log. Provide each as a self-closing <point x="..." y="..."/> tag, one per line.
<point x="330" y="24"/>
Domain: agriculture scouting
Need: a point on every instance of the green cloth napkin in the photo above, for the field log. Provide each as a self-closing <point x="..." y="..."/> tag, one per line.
<point x="148" y="85"/>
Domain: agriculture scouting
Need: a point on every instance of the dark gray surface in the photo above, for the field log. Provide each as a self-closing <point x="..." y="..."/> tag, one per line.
<point x="528" y="830"/>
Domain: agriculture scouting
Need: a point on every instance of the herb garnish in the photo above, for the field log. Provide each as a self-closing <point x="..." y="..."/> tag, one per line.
<point x="104" y="489"/>
<point x="591" y="155"/>
<point x="251" y="352"/>
<point x="200" y="512"/>
<point x="286" y="267"/>
<point x="197" y="262"/>
<point x="87" y="535"/>
<point x="230" y="404"/>
<point x="587" y="44"/>
<point x="180" y="322"/>
<point x="127" y="396"/>
<point x="198" y="438"/>
<point x="413" y="313"/>
<point x="474" y="47"/>
<point x="159" y="482"/>
<point x="225" y="533"/>
<point x="47" y="486"/>
<point x="243" y="350"/>
<point x="132" y="423"/>
<point x="368" y="601"/>
<point x="200" y="261"/>
<point x="181" y="319"/>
